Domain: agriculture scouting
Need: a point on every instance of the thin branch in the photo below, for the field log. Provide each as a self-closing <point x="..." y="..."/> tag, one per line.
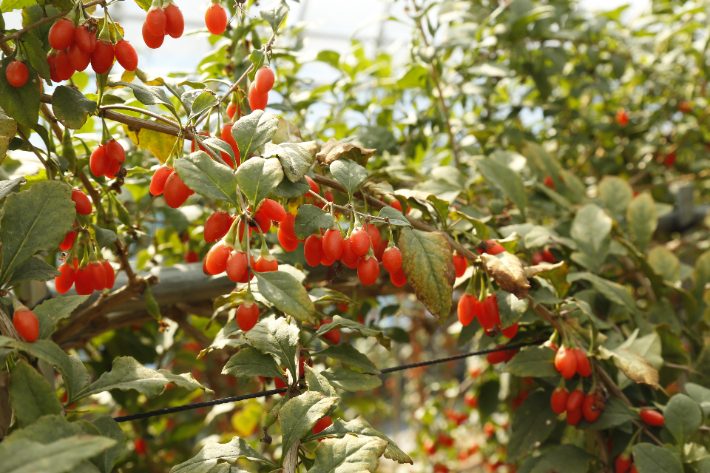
<point x="140" y="110"/>
<point x="39" y="156"/>
<point x="6" y="327"/>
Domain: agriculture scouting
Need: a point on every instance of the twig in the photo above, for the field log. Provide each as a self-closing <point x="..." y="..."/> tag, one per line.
<point x="140" y="110"/>
<point x="39" y="156"/>
<point x="6" y="327"/>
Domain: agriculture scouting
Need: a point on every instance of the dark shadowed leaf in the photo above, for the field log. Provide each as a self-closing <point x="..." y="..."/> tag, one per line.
<point x="51" y="311"/>
<point x="536" y="362"/>
<point x="683" y="417"/>
<point x="642" y="218"/>
<point x="533" y="423"/>
<point x="31" y="396"/>
<point x="25" y="456"/>
<point x="652" y="459"/>
<point x="276" y="337"/>
<point x="71" y="107"/>
<point x="504" y="178"/>
<point x="350" y="356"/>
<point x="34" y="269"/>
<point x="591" y="229"/>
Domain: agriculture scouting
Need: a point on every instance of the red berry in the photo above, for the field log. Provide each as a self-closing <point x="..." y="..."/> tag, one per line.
<point x="670" y="160"/>
<point x="176" y="192"/>
<point x="83" y="204"/>
<point x="329" y="196"/>
<point x="360" y="241"/>
<point x="257" y="100"/>
<point x="247" y="316"/>
<point x="322" y="424"/>
<point x="622" y="464"/>
<point x="102" y="57"/>
<point x="374" y="234"/>
<point x="79" y="58"/>
<point x="333" y="245"/>
<point x="392" y="259"/>
<point x="368" y="269"/>
<point x="52" y="61"/>
<point x="334" y="335"/>
<point x="497" y="357"/>
<point x="622" y="117"/>
<point x="398" y="278"/>
<point x="226" y="135"/>
<point x="139" y="446"/>
<point x="126" y="55"/>
<point x="575" y="400"/>
<point x="63" y="65"/>
<point x="573" y="417"/>
<point x="174" y="21"/>
<point x="115" y="152"/>
<point x="263" y="221"/>
<point x="216" y="19"/>
<point x="278" y="382"/>
<point x="217" y="226"/>
<point x="466" y="309"/>
<point x="633" y="469"/>
<point x="110" y="274"/>
<point x="264" y="79"/>
<point x="97" y="276"/>
<point x="584" y="368"/>
<point x="589" y="408"/>
<point x="191" y="257"/>
<point x="652" y="417"/>
<point x="488" y="314"/>
<point x="62" y="34"/>
<point x="82" y="283"/>
<point x="160" y="176"/>
<point x="566" y="362"/>
<point x="470" y="400"/>
<point x="98" y="163"/>
<point x="287" y="243"/>
<point x="232" y="110"/>
<point x="558" y="401"/>
<point x="460" y="265"/>
<point x="151" y="40"/>
<point x="236" y="265"/>
<point x="155" y="20"/>
<point x="494" y="247"/>
<point x="509" y="332"/>
<point x="26" y="324"/>
<point x="380" y="250"/>
<point x="85" y="38"/>
<point x="68" y="241"/>
<point x="348" y="257"/>
<point x="537" y="258"/>
<point x="396" y="205"/>
<point x="548" y="256"/>
<point x="314" y="187"/>
<point x="549" y="182"/>
<point x="64" y="281"/>
<point x="266" y="264"/>
<point x="313" y="250"/>
<point x="216" y="259"/>
<point x="17" y="73"/>
<point x="684" y="107"/>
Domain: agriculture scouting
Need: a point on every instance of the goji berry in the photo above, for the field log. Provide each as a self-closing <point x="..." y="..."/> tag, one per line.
<point x="348" y="257"/>
<point x="333" y="244"/>
<point x="360" y="241"/>
<point x="322" y="424"/>
<point x="273" y="210"/>
<point x="62" y="34"/>
<point x="151" y="40"/>
<point x="216" y="259"/>
<point x="79" y="58"/>
<point x="265" y="264"/>
<point x="26" y="324"/>
<point x="174" y="21"/>
<point x="102" y="57"/>
<point x="398" y="278"/>
<point x="510" y="332"/>
<point x="368" y="269"/>
<point x="558" y="400"/>
<point x="217" y="226"/>
<point x="460" y="265"/>
<point x="247" y="316"/>
<point x="622" y="463"/>
<point x="264" y="79"/>
<point x="575" y="400"/>
<point x="68" y="241"/>
<point x="589" y="408"/>
<point x="176" y="192"/>
<point x="652" y="417"/>
<point x="392" y="259"/>
<point x="566" y="362"/>
<point x="155" y="20"/>
<point x="83" y="204"/>
<point x="17" y="73"/>
<point x="85" y="38"/>
<point x="216" y="19"/>
<point x="65" y="280"/>
<point x="257" y="100"/>
<point x="157" y="182"/>
<point x="466" y="309"/>
<point x="584" y="368"/>
<point x="126" y="55"/>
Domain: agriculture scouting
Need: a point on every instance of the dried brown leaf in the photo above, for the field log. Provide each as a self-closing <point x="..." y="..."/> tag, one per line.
<point x="507" y="270"/>
<point x="334" y="150"/>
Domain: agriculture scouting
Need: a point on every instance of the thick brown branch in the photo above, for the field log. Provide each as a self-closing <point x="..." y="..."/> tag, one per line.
<point x="78" y="321"/>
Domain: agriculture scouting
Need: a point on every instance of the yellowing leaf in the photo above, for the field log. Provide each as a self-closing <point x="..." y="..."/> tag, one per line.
<point x="159" y="144"/>
<point x="246" y="420"/>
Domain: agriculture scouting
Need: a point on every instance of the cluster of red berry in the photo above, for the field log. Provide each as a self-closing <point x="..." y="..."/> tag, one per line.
<point x="576" y="404"/>
<point x="166" y="180"/>
<point x="543" y="256"/>
<point x="163" y="18"/>
<point x="106" y="160"/>
<point x="259" y="89"/>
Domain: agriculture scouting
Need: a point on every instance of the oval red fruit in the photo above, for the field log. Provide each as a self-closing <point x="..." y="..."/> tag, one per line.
<point x="460" y="265"/>
<point x="333" y="244"/>
<point x="368" y="269"/>
<point x="216" y="226"/>
<point x="392" y="260"/>
<point x="313" y="250"/>
<point x="64" y="281"/>
<point x="558" y="400"/>
<point x="466" y="309"/>
<point x="247" y="316"/>
<point x="566" y="362"/>
<point x="575" y="400"/>
<point x="622" y="463"/>
<point x="85" y="38"/>
<point x="155" y="20"/>
<point x="348" y="257"/>
<point x="360" y="241"/>
<point x="573" y="417"/>
<point x="589" y="408"/>
<point x="102" y="57"/>
<point x="236" y="266"/>
<point x="83" y="204"/>
<point x="174" y="21"/>
<point x="322" y="424"/>
<point x="79" y="58"/>
<point x="82" y="283"/>
<point x="26" y="324"/>
<point x="68" y="241"/>
<point x="126" y="55"/>
<point x="216" y="19"/>
<point x="62" y="34"/>
<point x="151" y="40"/>
<point x="264" y="79"/>
<point x="266" y="264"/>
<point x="160" y="176"/>
<point x="273" y="210"/>
<point x="97" y="276"/>
<point x="176" y="192"/>
<point x="64" y="67"/>
<point x="510" y="332"/>
<point x="584" y="368"/>
<point x="17" y="73"/>
<point x="652" y="417"/>
<point x="216" y="259"/>
<point x="110" y="274"/>
<point x="398" y="278"/>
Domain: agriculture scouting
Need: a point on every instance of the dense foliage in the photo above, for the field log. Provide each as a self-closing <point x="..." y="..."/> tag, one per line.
<point x="511" y="184"/>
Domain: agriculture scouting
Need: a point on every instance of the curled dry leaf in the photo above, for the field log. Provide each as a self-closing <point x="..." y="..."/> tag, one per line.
<point x="531" y="271"/>
<point x="507" y="270"/>
<point x="334" y="150"/>
<point x="636" y="367"/>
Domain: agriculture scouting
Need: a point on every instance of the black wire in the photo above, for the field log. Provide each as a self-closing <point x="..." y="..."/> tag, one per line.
<point x="197" y="405"/>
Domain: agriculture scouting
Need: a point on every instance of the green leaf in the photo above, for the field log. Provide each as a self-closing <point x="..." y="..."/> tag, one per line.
<point x="427" y="262"/>
<point x="31" y="396"/>
<point x="62" y="456"/>
<point x="310" y="219"/>
<point x="258" y="177"/>
<point x="34" y="220"/>
<point x="331" y="58"/>
<point x="504" y="178"/>
<point x="652" y="459"/>
<point x="394" y="216"/>
<point x="349" y="380"/>
<point x="350" y="174"/>
<point x="616" y="194"/>
<point x="296" y="158"/>
<point x="288" y="190"/>
<point x="34" y="269"/>
<point x="510" y="307"/>
<point x="109" y="428"/>
<point x="535" y="362"/>
<point x="700" y="395"/>
<point x="21" y="103"/>
<point x="126" y="373"/>
<point x="207" y="177"/>
<point x="340" y="322"/>
<point x="213" y="452"/>
<point x="300" y="414"/>
<point x="205" y="100"/>
<point x="533" y="423"/>
<point x="286" y="294"/>
<point x="615" y="414"/>
<point x="8" y="129"/>
<point x="591" y="229"/>
<point x="683" y="417"/>
<point x="9" y="5"/>
<point x="276" y="337"/>
<point x="318" y="382"/>
<point x="249" y="362"/>
<point x="252" y="131"/>
<point x="611" y="290"/>
<point x="148" y="95"/>
<point x="104" y="236"/>
<point x="566" y="458"/>
<point x="36" y="55"/>
<point x="350" y="356"/>
<point x="665" y="263"/>
<point x="349" y="455"/>
<point x="76" y="378"/>
<point x="51" y="311"/>
<point x="360" y="427"/>
<point x="71" y="107"/>
<point x="276" y="15"/>
<point x="642" y="218"/>
<point x="219" y="146"/>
